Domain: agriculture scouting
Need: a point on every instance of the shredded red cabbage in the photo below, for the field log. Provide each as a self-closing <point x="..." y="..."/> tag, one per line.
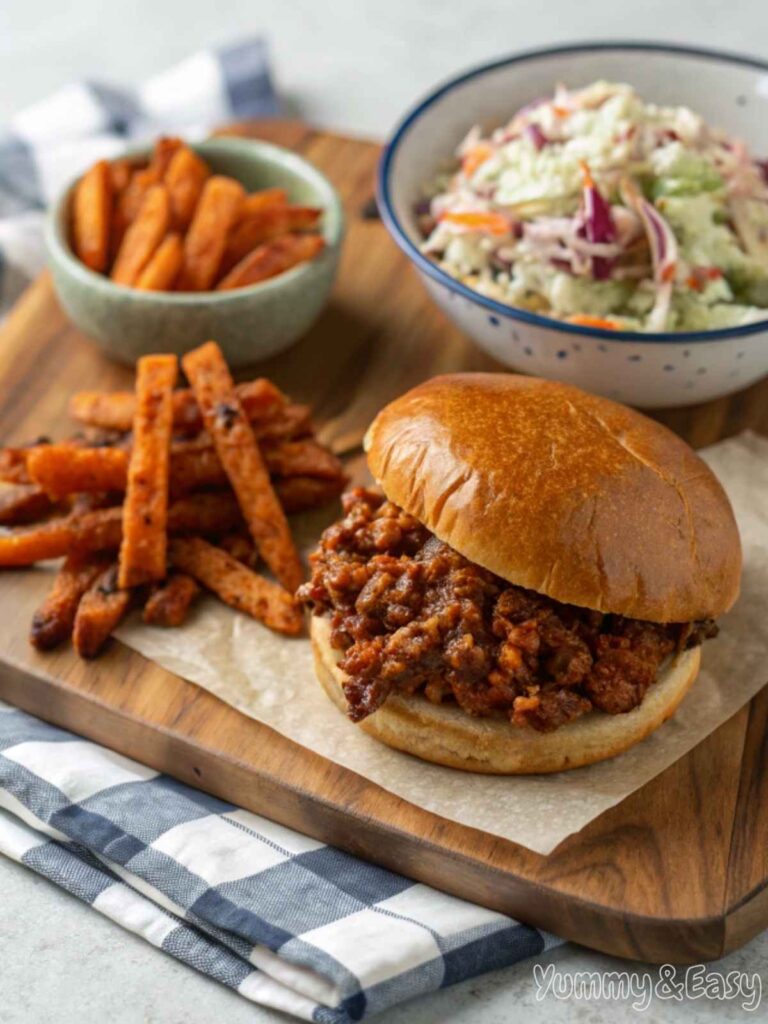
<point x="597" y="226"/>
<point x="537" y="136"/>
<point x="661" y="240"/>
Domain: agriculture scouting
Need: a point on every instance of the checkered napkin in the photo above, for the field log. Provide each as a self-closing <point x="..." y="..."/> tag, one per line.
<point x="284" y="920"/>
<point x="48" y="144"/>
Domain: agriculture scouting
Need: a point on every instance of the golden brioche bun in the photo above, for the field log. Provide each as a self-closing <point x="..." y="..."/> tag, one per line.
<point x="446" y="735"/>
<point x="562" y="492"/>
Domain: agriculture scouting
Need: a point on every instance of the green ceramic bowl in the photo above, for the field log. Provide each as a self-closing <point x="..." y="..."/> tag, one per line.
<point x="249" y="323"/>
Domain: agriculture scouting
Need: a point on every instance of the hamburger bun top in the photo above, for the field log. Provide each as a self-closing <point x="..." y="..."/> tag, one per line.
<point x="561" y="492"/>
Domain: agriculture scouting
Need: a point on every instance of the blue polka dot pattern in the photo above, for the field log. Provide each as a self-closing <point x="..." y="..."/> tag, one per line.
<point x="493" y="320"/>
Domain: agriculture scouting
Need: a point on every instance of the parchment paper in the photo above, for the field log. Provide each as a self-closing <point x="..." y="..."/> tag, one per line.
<point x="271" y="679"/>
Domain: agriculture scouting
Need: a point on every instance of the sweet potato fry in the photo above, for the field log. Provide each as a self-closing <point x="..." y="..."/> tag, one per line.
<point x="80" y="504"/>
<point x="301" y="493"/>
<point x="38" y="543"/>
<point x="23" y="503"/>
<point x="163" y="152"/>
<point x="92" y="215"/>
<point x="128" y="203"/>
<point x="292" y="422"/>
<point x="143" y="236"/>
<point x="120" y="172"/>
<point x="237" y="586"/>
<point x="217" y="211"/>
<point x="114" y="410"/>
<point x="269" y="223"/>
<point x="169" y="603"/>
<point x="141" y="181"/>
<point x="265" y="199"/>
<point x="194" y="467"/>
<point x="102" y="607"/>
<point x="142" y="552"/>
<point x="53" y="621"/>
<point x="271" y="259"/>
<point x="111" y="409"/>
<point x="301" y="458"/>
<point x="102" y="530"/>
<point x="239" y="454"/>
<point x="161" y="272"/>
<point x="205" y="513"/>
<point x="241" y="547"/>
<point x="196" y="471"/>
<point x="185" y="177"/>
<point x="13" y="465"/>
<point x="62" y="469"/>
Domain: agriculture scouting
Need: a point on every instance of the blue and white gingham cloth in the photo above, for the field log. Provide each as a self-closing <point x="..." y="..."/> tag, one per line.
<point x="48" y="144"/>
<point x="283" y="919"/>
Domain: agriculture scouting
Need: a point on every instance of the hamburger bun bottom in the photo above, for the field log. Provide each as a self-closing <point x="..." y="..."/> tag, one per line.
<point x="444" y="734"/>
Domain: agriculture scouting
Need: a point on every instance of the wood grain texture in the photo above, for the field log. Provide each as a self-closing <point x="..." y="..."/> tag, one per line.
<point x="677" y="872"/>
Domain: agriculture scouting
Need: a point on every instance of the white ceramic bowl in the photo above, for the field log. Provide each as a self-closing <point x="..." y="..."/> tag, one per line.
<point x="650" y="370"/>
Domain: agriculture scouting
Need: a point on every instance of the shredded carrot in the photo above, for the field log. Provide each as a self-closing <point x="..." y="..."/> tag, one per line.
<point x="495" y="223"/>
<point x="586" y="175"/>
<point x="585" y="320"/>
<point x="668" y="273"/>
<point x="475" y="157"/>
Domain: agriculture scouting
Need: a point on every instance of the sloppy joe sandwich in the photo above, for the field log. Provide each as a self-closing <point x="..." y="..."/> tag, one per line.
<point x="529" y="589"/>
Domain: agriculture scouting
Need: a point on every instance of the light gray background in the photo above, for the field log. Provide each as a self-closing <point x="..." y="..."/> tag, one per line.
<point x="352" y="65"/>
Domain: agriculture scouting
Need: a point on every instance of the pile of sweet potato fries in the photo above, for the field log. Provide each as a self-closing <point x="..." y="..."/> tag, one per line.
<point x="171" y="225"/>
<point x="162" y="490"/>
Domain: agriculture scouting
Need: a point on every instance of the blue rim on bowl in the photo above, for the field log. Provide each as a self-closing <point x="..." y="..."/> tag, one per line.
<point x="333" y="226"/>
<point x="427" y="266"/>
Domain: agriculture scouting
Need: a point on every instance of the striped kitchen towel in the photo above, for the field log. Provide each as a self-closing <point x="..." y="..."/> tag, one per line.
<point x="284" y="920"/>
<point x="48" y="144"/>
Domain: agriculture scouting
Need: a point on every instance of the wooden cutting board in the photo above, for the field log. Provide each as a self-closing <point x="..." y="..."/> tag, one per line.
<point x="677" y="872"/>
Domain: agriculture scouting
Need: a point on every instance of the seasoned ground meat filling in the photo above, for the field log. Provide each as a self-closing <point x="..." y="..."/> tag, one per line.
<point x="411" y="614"/>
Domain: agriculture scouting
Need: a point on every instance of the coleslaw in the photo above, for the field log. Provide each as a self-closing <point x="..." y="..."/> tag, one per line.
<point x="596" y="207"/>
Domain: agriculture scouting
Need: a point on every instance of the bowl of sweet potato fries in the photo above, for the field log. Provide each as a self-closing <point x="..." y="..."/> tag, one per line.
<point x="162" y="492"/>
<point x="164" y="247"/>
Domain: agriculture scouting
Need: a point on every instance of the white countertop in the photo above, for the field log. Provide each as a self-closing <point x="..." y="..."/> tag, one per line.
<point x="347" y="64"/>
<point x="353" y="65"/>
<point x="63" y="963"/>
